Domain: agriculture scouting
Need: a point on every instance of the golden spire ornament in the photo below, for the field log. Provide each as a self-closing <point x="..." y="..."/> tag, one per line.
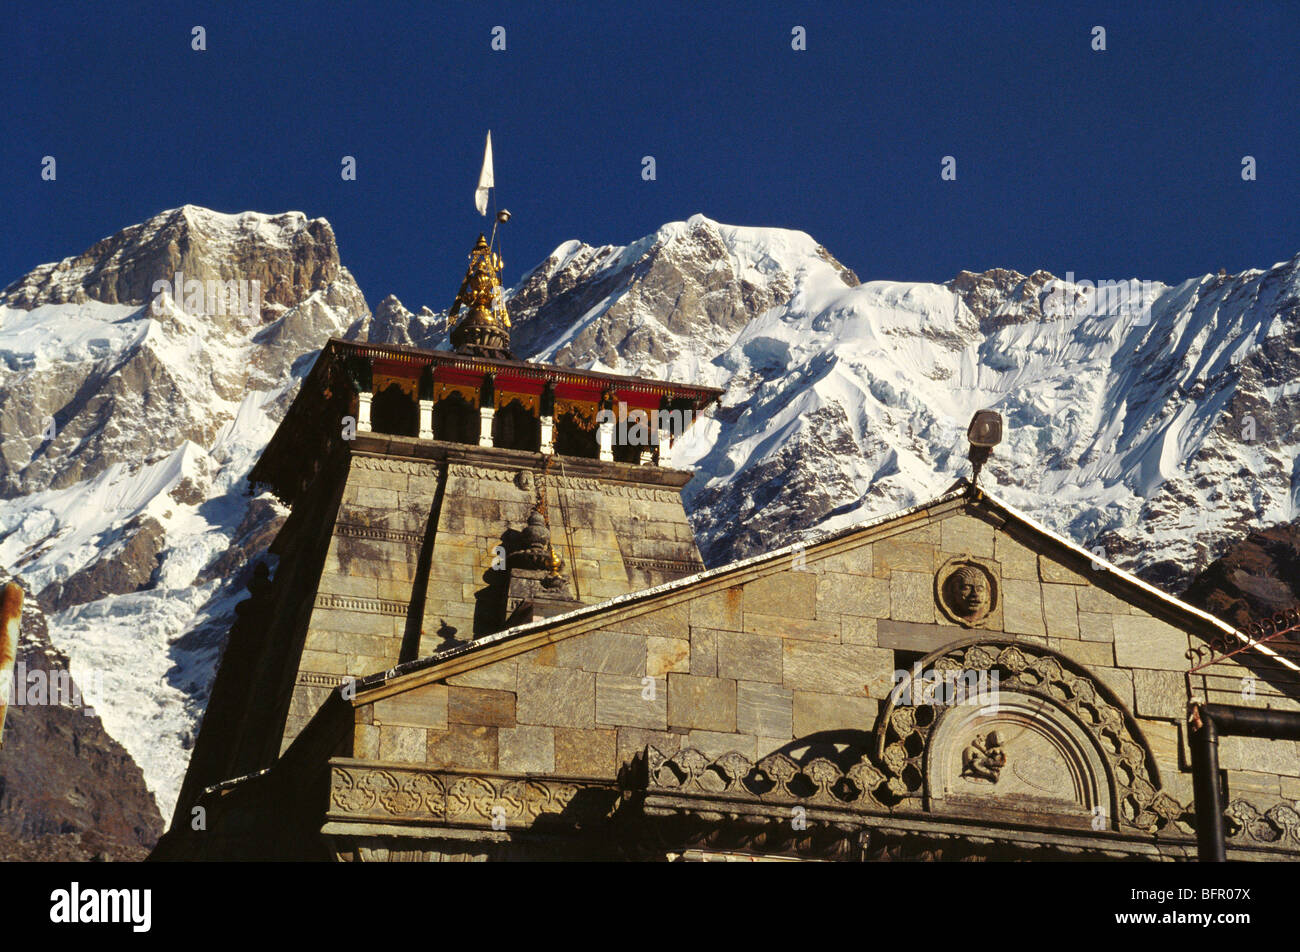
<point x="484" y="330"/>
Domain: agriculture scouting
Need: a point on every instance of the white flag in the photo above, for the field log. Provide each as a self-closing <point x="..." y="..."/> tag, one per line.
<point x="485" y="181"/>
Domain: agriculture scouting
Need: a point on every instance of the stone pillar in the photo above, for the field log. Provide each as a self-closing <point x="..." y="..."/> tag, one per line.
<point x="605" y="435"/>
<point x="665" y="452"/>
<point x="548" y="435"/>
<point x="426" y="419"/>
<point x="647" y="456"/>
<point x="485" y="415"/>
<point x="363" y="411"/>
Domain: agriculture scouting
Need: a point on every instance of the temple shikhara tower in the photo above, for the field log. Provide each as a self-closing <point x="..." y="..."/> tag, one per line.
<point x="489" y="635"/>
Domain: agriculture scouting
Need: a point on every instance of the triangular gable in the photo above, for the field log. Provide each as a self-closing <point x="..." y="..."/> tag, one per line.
<point x="1076" y="565"/>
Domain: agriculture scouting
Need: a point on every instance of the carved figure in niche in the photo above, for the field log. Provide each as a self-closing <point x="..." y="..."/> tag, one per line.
<point x="984" y="758"/>
<point x="968" y="594"/>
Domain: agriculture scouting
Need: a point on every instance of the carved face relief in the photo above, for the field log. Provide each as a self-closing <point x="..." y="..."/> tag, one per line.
<point x="968" y="590"/>
<point x="966" y="593"/>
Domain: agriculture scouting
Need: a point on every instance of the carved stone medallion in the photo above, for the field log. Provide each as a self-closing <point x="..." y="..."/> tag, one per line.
<point x="966" y="591"/>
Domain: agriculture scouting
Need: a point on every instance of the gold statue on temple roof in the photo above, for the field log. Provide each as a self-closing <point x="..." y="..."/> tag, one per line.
<point x="481" y="290"/>
<point x="484" y="328"/>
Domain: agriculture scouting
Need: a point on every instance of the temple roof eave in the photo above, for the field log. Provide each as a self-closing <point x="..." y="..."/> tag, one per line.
<point x="703" y="396"/>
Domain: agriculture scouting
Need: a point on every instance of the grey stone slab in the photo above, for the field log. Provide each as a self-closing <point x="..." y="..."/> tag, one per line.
<point x="1096" y="626"/>
<point x="911" y="596"/>
<point x="1022" y="607"/>
<point x="838" y="669"/>
<point x="526" y="749"/>
<point x="629" y="701"/>
<point x="425" y="706"/>
<point x="966" y="535"/>
<point x="764" y="709"/>
<point x="407" y="745"/>
<point x="556" y="697"/>
<point x="1145" y="642"/>
<point x="609" y="652"/>
<point x="1160" y="693"/>
<point x="702" y="703"/>
<point x="814" y="713"/>
<point x="785" y="593"/>
<point x="852" y="595"/>
<point x="911" y="636"/>
<point x="749" y="657"/>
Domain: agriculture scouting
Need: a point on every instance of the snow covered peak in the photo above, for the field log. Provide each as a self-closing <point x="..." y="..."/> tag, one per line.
<point x="665" y="304"/>
<point x="288" y="253"/>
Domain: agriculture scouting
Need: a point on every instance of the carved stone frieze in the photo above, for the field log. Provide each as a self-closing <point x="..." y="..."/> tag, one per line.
<point x="384" y="464"/>
<point x="1248" y="825"/>
<point x="378" y="533"/>
<point x="663" y="565"/>
<point x="417" y="794"/>
<point x="775" y="778"/>
<point x="353" y="603"/>
<point x="573" y="483"/>
<point x="317" y="679"/>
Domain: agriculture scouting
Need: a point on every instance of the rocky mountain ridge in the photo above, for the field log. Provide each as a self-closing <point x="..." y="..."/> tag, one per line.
<point x="68" y="790"/>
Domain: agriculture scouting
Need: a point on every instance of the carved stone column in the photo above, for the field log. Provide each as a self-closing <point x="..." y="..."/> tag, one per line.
<point x="548" y="435"/>
<point x="485" y="415"/>
<point x="363" y="411"/>
<point x="426" y="403"/>
<point x="605" y="434"/>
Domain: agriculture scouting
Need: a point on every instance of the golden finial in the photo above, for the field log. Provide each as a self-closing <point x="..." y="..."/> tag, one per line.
<point x="485" y="328"/>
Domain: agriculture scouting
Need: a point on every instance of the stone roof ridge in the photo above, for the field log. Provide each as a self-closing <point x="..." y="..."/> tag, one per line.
<point x="1107" y="566"/>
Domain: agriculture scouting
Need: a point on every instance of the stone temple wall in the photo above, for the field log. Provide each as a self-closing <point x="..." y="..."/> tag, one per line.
<point x="414" y="566"/>
<point x="769" y="658"/>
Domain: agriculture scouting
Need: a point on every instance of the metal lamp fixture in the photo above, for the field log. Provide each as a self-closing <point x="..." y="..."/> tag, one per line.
<point x="984" y="433"/>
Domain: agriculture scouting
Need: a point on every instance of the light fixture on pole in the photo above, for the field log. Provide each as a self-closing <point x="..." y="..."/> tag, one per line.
<point x="984" y="433"/>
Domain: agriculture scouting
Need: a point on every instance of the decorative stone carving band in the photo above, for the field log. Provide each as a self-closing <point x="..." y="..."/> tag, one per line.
<point x="575" y="483"/>
<point x="374" y="606"/>
<point x="378" y="533"/>
<point x="775" y="778"/>
<point x="415" y="794"/>
<point x="382" y="464"/>
<point x="316" y="679"/>
<point x="663" y="565"/>
<point x="1247" y="824"/>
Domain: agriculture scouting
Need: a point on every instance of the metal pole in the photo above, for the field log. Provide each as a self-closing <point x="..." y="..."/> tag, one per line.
<point x="1253" y="721"/>
<point x="1209" y="795"/>
<point x="1216" y="719"/>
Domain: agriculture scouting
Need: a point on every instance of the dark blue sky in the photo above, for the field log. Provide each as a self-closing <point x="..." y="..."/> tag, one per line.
<point x="1115" y="164"/>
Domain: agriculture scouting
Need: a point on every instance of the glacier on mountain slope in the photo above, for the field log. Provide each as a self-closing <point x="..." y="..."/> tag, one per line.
<point x="1124" y="426"/>
<point x="153" y="652"/>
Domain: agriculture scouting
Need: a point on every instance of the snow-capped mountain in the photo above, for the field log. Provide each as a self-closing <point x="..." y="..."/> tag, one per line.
<point x="129" y="418"/>
<point x="1154" y="427"/>
<point x="1150" y="423"/>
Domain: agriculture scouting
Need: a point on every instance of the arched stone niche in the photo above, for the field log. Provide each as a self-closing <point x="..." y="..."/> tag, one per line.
<point x="1087" y="749"/>
<point x="1019" y="754"/>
